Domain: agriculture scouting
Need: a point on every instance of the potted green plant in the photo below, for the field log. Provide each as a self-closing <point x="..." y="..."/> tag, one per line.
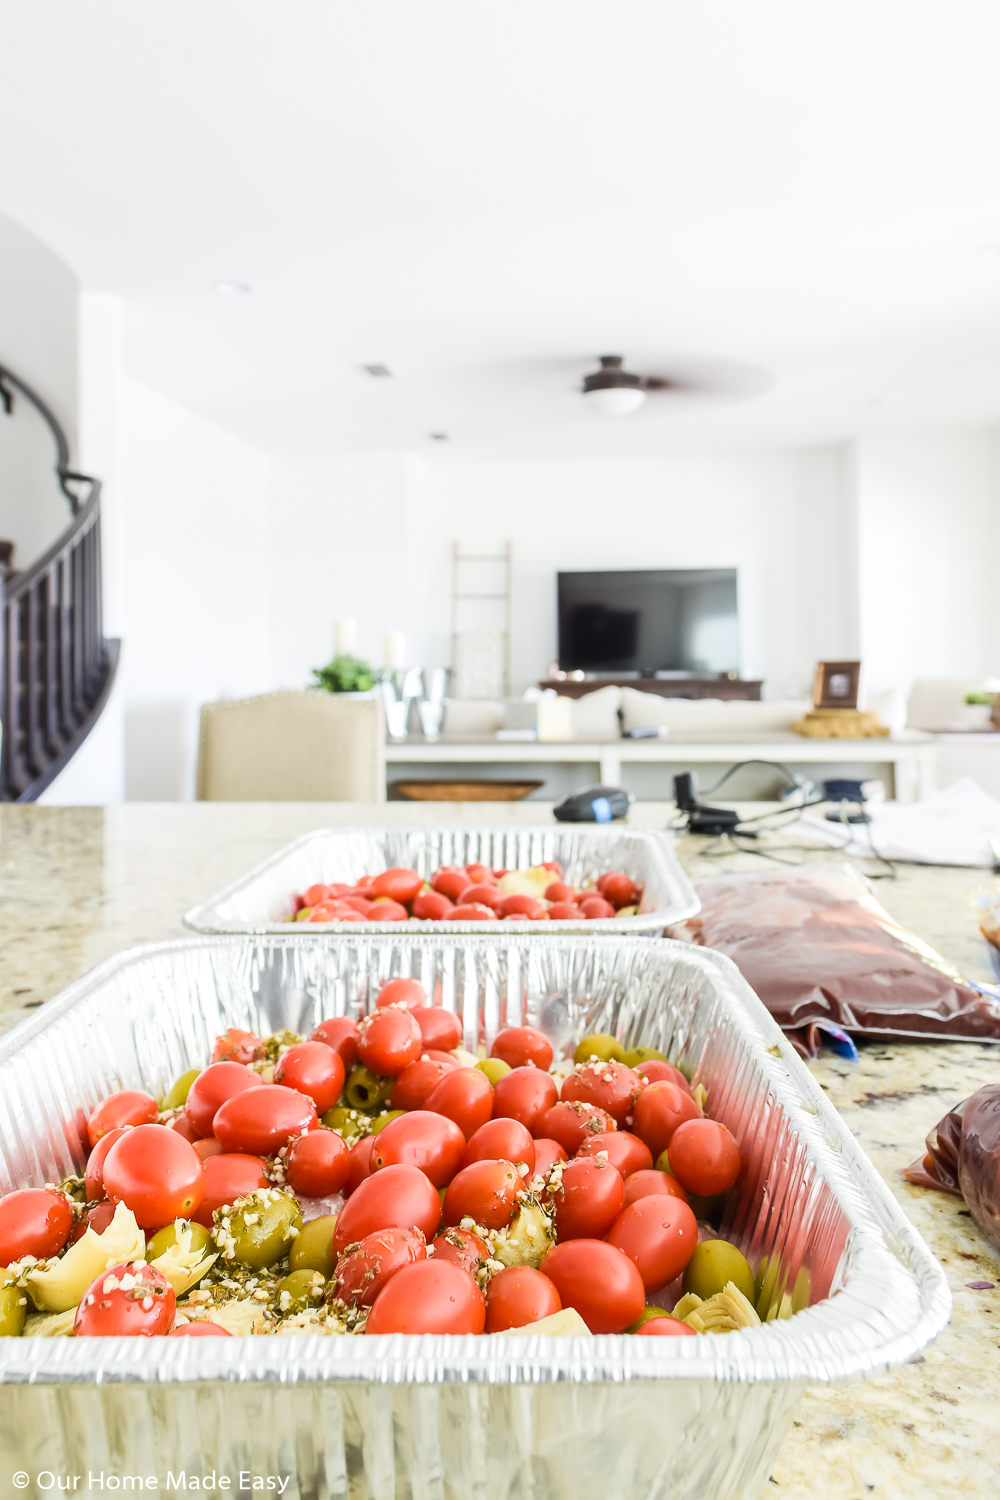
<point x="348" y="674"/>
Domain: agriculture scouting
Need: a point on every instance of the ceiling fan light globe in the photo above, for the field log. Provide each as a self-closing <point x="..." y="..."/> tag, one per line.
<point x="616" y="400"/>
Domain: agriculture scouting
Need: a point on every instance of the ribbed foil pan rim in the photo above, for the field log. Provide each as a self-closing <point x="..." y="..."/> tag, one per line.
<point x="850" y="1333"/>
<point x="206" y="918"/>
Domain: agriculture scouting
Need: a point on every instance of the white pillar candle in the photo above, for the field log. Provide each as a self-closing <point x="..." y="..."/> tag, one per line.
<point x="345" y="637"/>
<point x="394" y="649"/>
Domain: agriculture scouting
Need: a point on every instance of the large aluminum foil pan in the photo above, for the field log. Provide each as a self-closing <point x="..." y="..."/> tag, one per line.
<point x="447" y="1418"/>
<point x="262" y="901"/>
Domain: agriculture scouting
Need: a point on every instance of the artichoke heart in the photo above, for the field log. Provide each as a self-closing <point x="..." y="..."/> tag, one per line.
<point x="726" y="1312"/>
<point x="526" y="1240"/>
<point x="49" y="1325"/>
<point x="181" y="1263"/>
<point x="240" y="1318"/>
<point x="60" y="1286"/>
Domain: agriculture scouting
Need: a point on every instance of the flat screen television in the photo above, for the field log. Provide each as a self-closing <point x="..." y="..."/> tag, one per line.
<point x="680" y="620"/>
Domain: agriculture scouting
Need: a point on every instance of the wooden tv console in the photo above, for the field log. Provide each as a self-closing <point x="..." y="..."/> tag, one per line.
<point x="666" y="687"/>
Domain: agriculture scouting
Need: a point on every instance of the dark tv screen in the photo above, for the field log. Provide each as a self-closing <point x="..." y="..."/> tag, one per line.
<point x="677" y="620"/>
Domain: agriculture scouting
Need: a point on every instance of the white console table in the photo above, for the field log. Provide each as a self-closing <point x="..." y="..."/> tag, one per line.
<point x="911" y="754"/>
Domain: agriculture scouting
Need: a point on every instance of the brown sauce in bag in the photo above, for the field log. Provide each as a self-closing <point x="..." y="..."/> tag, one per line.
<point x="963" y="1158"/>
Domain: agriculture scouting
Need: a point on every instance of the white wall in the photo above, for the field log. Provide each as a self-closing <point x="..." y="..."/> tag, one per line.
<point x="928" y="518"/>
<point x="38" y="342"/>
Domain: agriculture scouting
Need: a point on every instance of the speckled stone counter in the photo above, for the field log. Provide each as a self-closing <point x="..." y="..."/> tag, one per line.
<point x="78" y="884"/>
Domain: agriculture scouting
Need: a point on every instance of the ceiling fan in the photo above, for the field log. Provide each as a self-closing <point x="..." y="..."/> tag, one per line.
<point x="616" y="392"/>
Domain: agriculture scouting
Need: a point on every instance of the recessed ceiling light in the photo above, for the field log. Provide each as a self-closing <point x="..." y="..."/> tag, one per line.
<point x="378" y="372"/>
<point x="439" y="437"/>
<point x="232" y="288"/>
<point x="990" y="251"/>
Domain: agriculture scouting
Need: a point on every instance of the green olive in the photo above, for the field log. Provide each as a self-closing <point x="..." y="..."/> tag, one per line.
<point x="636" y="1055"/>
<point x="162" y="1240"/>
<point x="607" y="1048"/>
<point x="713" y="1264"/>
<point x="304" y="1288"/>
<point x="365" y="1090"/>
<point x="662" y="1163"/>
<point x="382" y="1120"/>
<point x="259" y="1230"/>
<point x="13" y="1306"/>
<point x="645" y="1316"/>
<point x="177" y="1094"/>
<point x="494" y="1068"/>
<point x="350" y="1123"/>
<point x="313" y="1249"/>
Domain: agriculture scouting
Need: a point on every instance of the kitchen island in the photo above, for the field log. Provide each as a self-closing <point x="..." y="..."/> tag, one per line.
<point x="79" y="884"/>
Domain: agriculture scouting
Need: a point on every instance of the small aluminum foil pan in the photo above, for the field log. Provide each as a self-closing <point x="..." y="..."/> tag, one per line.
<point x="263" y="901"/>
<point x="448" y="1418"/>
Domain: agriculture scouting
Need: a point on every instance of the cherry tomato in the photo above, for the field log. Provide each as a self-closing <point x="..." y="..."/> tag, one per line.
<point x="547" y="1153"/>
<point x="408" y="992"/>
<point x="560" y="891"/>
<point x="416" y="1082"/>
<point x="518" y="1296"/>
<point x="384" y="910"/>
<point x="431" y="906"/>
<point x="519" y="1046"/>
<point x="318" y="1164"/>
<point x="429" y="1297"/>
<point x="200" y="1328"/>
<point x="97" y="1219"/>
<point x="179" y="1123"/>
<point x="33" y="1221"/>
<point x="399" y="1197"/>
<point x="155" y="1173"/>
<point x="235" y="1045"/>
<point x="93" y="1182"/>
<point x="486" y="1192"/>
<point x="525" y="1094"/>
<point x="659" y="1234"/>
<point x="359" y="904"/>
<point x="554" y="866"/>
<point x="572" y="1123"/>
<point x="450" y="882"/>
<point x="648" y="1181"/>
<point x="399" y="885"/>
<point x="522" y="906"/>
<point x="316" y="895"/>
<point x="212" y="1088"/>
<point x="261" y="1120"/>
<point x="126" y="1299"/>
<point x="127" y="1107"/>
<point x="663" y="1328"/>
<point x="314" y="1069"/>
<point x="429" y="1141"/>
<point x="360" y="1165"/>
<point x="657" y="1071"/>
<point x="659" y="1110"/>
<point x="228" y="1176"/>
<point x="480" y="874"/>
<point x="625" y="1151"/>
<point x="704" y="1157"/>
<point x="501" y="1140"/>
<point x="463" y="1248"/>
<point x="340" y="1033"/>
<point x="482" y="895"/>
<point x="466" y="1096"/>
<point x="475" y="913"/>
<point x="599" y="1281"/>
<point x="439" y="1028"/>
<point x="619" y="889"/>
<point x="611" y="1085"/>
<point x="363" y="1271"/>
<point x="588" y="1199"/>
<point x="595" y="907"/>
<point x="564" y="911"/>
<point x="389" y="1039"/>
<point x="207" y="1146"/>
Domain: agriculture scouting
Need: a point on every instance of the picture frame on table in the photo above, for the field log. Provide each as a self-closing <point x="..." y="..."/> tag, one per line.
<point x="837" y="684"/>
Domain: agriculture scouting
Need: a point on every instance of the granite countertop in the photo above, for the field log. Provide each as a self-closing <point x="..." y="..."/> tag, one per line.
<point x="79" y="884"/>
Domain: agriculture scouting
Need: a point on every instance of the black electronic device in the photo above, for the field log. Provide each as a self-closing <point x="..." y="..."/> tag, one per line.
<point x="679" y="620"/>
<point x="845" y="791"/>
<point x="702" y="818"/>
<point x="594" y="804"/>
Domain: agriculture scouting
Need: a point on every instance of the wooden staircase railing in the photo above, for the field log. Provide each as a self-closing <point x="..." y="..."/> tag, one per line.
<point x="57" y="668"/>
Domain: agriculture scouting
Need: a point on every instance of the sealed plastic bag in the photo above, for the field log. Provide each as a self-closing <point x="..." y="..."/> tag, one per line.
<point x="963" y="1158"/>
<point x="823" y="956"/>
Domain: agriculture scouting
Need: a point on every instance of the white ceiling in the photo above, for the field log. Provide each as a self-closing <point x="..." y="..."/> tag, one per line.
<point x="486" y="196"/>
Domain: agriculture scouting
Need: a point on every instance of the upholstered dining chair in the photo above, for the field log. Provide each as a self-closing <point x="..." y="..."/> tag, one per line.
<point x="292" y="747"/>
